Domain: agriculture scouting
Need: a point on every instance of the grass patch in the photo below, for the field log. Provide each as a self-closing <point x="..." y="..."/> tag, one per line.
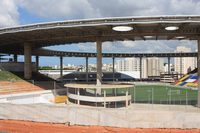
<point x="8" y="76"/>
<point x="160" y="94"/>
<point x="163" y="94"/>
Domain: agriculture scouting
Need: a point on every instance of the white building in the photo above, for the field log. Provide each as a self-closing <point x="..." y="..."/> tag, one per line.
<point x="182" y="64"/>
<point x="166" y="67"/>
<point x="155" y="66"/>
<point x="128" y="64"/>
<point x="150" y="66"/>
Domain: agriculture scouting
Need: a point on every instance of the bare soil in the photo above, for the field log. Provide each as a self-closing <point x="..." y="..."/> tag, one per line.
<point x="12" y="126"/>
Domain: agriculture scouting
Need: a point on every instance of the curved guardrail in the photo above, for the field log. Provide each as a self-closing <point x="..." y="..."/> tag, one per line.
<point x="111" y="94"/>
<point x="99" y="99"/>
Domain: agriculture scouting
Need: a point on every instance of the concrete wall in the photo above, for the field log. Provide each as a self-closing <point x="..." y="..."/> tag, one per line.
<point x="133" y="117"/>
<point x="15" y="66"/>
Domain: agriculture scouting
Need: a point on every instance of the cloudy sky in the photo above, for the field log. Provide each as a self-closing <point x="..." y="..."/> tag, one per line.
<point x="20" y="12"/>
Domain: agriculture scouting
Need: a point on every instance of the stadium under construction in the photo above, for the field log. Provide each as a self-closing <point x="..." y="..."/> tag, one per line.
<point x="79" y="97"/>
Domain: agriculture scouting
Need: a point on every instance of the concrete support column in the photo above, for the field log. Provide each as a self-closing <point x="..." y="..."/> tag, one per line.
<point x="15" y="57"/>
<point x="140" y="68"/>
<point x="198" y="66"/>
<point x="115" y="96"/>
<point x="86" y="69"/>
<point x="61" y="66"/>
<point x="113" y="68"/>
<point x="78" y="93"/>
<point x="104" y="95"/>
<point x="27" y="61"/>
<point x="126" y="97"/>
<point x="181" y="72"/>
<point x="37" y="62"/>
<point x="99" y="66"/>
<point x="168" y="65"/>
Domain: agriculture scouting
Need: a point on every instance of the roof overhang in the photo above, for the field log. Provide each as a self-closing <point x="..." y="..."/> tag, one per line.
<point x="79" y="31"/>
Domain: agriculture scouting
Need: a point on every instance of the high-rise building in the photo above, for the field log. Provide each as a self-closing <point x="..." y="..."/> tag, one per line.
<point x="128" y="64"/>
<point x="155" y="66"/>
<point x="166" y="65"/>
<point x="150" y="66"/>
<point x="184" y="64"/>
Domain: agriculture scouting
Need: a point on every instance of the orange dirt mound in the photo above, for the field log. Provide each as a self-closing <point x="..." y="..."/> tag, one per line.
<point x="36" y="127"/>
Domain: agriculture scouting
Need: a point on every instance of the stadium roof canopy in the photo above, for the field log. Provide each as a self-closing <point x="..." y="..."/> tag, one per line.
<point x="67" y="32"/>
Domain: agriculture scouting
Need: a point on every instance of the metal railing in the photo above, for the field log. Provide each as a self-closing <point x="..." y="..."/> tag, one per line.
<point x="147" y="94"/>
<point x="164" y="95"/>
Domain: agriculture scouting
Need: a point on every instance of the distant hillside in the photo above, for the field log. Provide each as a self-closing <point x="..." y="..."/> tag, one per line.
<point x="8" y="76"/>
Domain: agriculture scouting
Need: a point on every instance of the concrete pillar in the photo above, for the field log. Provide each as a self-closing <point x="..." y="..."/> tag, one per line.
<point x="113" y="68"/>
<point x="168" y="65"/>
<point x="198" y="66"/>
<point x="27" y="61"/>
<point x="15" y="57"/>
<point x="115" y="96"/>
<point x="99" y="66"/>
<point x="104" y="95"/>
<point x="37" y="62"/>
<point x="126" y="97"/>
<point x="78" y="93"/>
<point x="86" y="69"/>
<point x="181" y="72"/>
<point x="61" y="66"/>
<point x="140" y="68"/>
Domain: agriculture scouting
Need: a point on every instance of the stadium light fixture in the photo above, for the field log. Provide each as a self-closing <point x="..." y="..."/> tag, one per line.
<point x="148" y="37"/>
<point x="180" y="37"/>
<point x="171" y="28"/>
<point x="122" y="28"/>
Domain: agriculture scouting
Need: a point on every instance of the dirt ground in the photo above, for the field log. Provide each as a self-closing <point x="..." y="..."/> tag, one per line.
<point x="11" y="126"/>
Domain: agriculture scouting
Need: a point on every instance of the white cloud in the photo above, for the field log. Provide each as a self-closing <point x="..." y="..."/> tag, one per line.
<point x="8" y="13"/>
<point x="138" y="46"/>
<point x="190" y="7"/>
<point x="81" y="9"/>
<point x="65" y="9"/>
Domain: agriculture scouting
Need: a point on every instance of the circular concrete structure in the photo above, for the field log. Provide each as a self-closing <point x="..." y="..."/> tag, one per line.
<point x="112" y="95"/>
